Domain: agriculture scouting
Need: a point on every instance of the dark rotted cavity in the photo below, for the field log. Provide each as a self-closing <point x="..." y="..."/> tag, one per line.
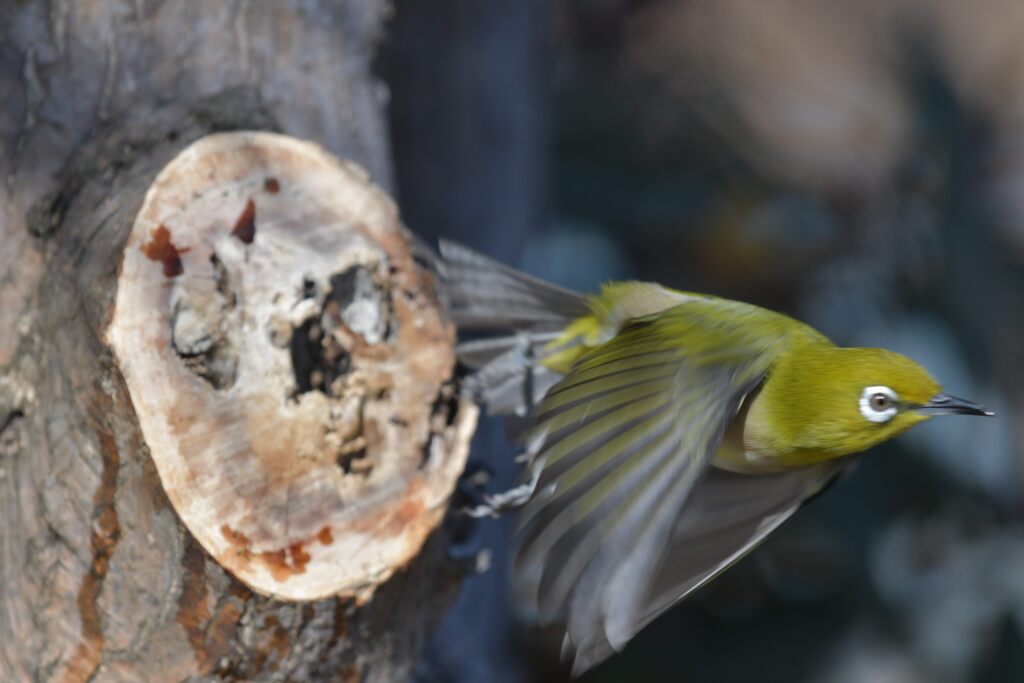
<point x="355" y="463"/>
<point x="209" y="356"/>
<point x="218" y="366"/>
<point x="8" y="419"/>
<point x="220" y="276"/>
<point x="313" y="371"/>
<point x="443" y="414"/>
<point x="446" y="405"/>
<point x="308" y="289"/>
<point x="317" y="358"/>
<point x="362" y="305"/>
<point x="305" y="345"/>
<point x="354" y="304"/>
<point x="212" y="360"/>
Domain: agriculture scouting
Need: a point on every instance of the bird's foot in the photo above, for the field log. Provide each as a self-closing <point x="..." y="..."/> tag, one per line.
<point x="495" y="504"/>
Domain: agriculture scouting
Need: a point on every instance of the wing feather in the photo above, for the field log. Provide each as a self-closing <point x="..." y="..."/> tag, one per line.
<point x="546" y="513"/>
<point x="619" y="444"/>
<point x="573" y="390"/>
<point x="725" y="517"/>
<point x="607" y="511"/>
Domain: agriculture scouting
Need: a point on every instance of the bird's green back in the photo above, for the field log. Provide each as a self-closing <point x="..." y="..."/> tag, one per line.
<point x="807" y="408"/>
<point x="698" y="323"/>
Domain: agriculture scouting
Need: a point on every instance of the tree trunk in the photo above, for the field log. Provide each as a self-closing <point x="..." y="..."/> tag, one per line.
<point x="102" y="577"/>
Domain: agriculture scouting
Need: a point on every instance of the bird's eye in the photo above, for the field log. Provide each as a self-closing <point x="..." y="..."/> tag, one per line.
<point x="878" y="404"/>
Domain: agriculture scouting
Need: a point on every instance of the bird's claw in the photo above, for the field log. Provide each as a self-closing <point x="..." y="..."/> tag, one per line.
<point x="496" y="504"/>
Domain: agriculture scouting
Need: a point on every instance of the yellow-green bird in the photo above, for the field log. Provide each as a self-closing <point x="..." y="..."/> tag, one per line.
<point x="670" y="433"/>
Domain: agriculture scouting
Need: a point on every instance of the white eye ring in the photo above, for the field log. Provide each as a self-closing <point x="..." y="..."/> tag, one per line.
<point x="879" y="404"/>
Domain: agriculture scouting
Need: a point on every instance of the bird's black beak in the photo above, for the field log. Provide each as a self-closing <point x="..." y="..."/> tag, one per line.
<point x="944" y="404"/>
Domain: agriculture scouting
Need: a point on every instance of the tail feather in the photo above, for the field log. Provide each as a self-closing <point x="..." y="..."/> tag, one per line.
<point x="483" y="294"/>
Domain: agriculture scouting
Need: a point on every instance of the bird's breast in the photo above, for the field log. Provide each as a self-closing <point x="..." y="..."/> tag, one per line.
<point x="747" y="446"/>
<point x="735" y="456"/>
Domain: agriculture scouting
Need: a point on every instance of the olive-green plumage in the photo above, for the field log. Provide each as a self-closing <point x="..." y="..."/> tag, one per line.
<point x="670" y="433"/>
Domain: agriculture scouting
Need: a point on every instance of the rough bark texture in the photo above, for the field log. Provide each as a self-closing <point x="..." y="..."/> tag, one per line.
<point x="99" y="579"/>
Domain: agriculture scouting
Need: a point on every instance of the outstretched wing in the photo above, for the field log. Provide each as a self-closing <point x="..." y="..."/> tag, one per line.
<point x="725" y="517"/>
<point x="617" y="447"/>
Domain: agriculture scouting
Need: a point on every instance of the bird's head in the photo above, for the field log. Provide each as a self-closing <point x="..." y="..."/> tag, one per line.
<point x="842" y="400"/>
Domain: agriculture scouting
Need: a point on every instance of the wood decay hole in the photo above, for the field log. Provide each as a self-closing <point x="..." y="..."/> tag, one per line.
<point x="206" y="352"/>
<point x="355" y="313"/>
<point x="355" y="303"/>
<point x="9" y="419"/>
<point x="444" y="411"/>
<point x="10" y="435"/>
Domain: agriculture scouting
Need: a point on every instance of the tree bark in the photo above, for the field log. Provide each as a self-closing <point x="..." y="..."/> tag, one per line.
<point x="99" y="578"/>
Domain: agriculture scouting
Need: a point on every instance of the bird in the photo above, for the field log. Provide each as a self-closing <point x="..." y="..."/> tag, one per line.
<point x="667" y="434"/>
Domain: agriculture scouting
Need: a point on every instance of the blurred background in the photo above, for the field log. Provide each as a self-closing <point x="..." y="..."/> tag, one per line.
<point x="859" y="165"/>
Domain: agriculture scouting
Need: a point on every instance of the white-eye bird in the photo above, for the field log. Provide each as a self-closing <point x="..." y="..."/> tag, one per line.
<point x="670" y="433"/>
